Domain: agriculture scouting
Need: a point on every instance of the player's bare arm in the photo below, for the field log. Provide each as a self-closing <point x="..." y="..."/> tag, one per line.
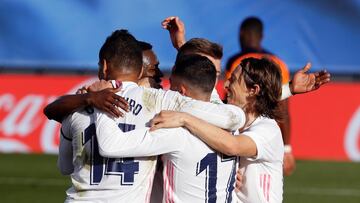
<point x="105" y="99"/>
<point x="176" y="30"/>
<point x="217" y="138"/>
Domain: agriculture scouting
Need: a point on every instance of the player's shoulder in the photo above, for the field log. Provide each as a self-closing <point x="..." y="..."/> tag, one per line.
<point x="81" y="117"/>
<point x="265" y="124"/>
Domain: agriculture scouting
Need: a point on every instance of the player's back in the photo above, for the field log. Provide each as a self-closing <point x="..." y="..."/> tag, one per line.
<point x="96" y="178"/>
<point x="196" y="173"/>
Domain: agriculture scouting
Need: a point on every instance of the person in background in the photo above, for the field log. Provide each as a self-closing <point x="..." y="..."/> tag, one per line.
<point x="250" y="38"/>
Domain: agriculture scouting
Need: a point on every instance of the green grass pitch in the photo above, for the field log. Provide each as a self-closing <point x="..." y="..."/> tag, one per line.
<point x="35" y="178"/>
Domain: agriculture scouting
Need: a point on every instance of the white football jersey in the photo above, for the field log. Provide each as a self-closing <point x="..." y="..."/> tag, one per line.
<point x="263" y="175"/>
<point x="100" y="179"/>
<point x="193" y="172"/>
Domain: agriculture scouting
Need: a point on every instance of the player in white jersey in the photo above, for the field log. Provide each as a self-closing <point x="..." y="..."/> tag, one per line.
<point x="96" y="178"/>
<point x="259" y="144"/>
<point x="193" y="172"/>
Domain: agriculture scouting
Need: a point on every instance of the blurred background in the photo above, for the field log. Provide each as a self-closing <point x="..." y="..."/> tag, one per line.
<point x="50" y="48"/>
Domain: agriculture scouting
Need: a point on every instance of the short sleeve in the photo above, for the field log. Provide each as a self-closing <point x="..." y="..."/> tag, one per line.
<point x="267" y="136"/>
<point x="65" y="130"/>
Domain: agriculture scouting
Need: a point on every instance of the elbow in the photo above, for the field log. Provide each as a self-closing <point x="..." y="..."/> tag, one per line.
<point x="105" y="148"/>
<point x="66" y="172"/>
<point x="47" y="112"/>
<point x="103" y="152"/>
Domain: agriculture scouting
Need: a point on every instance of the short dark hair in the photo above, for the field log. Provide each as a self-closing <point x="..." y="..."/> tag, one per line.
<point x="197" y="71"/>
<point x="121" y="50"/>
<point x="252" y="23"/>
<point x="145" y="46"/>
<point x="267" y="75"/>
<point x="201" y="46"/>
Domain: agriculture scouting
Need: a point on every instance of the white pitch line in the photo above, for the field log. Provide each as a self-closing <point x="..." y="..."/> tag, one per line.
<point x="33" y="181"/>
<point x="325" y="191"/>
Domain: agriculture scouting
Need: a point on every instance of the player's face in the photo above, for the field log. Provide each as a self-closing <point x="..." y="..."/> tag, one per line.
<point x="237" y="90"/>
<point x="151" y="66"/>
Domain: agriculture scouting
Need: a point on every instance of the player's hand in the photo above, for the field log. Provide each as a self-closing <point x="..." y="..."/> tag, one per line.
<point x="289" y="163"/>
<point x="176" y="30"/>
<point x="306" y="82"/>
<point x="82" y="90"/>
<point x="239" y="180"/>
<point x="99" y="85"/>
<point x="168" y="119"/>
<point x="108" y="101"/>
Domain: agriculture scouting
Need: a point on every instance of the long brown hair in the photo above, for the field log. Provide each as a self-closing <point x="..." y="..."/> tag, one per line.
<point x="266" y="74"/>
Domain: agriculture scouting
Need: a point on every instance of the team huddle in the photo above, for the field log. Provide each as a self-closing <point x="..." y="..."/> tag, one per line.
<point x="124" y="139"/>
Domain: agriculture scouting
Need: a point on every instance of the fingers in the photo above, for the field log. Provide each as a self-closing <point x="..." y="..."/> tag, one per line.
<point x="112" y="110"/>
<point x="109" y="102"/>
<point x="157" y="126"/>
<point x="116" y="101"/>
<point x="82" y="90"/>
<point x="289" y="165"/>
<point x="239" y="180"/>
<point x="322" y="78"/>
<point x="306" y="67"/>
<point x="165" y="23"/>
<point x="119" y="101"/>
<point x="156" y="120"/>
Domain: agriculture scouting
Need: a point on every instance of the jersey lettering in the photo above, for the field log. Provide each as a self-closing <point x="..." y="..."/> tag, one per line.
<point x="100" y="166"/>
<point x="208" y="164"/>
<point x="134" y="108"/>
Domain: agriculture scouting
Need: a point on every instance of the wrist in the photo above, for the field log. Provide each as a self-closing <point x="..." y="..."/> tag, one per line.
<point x="287" y="148"/>
<point x="88" y="98"/>
<point x="185" y="120"/>
<point x="291" y="87"/>
<point x="286" y="91"/>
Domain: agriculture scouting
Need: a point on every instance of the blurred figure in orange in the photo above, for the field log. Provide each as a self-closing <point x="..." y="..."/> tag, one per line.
<point x="250" y="37"/>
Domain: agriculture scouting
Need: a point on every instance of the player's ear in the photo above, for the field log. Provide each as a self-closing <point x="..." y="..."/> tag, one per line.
<point x="254" y="90"/>
<point x="105" y="69"/>
<point x="141" y="73"/>
<point x="183" y="90"/>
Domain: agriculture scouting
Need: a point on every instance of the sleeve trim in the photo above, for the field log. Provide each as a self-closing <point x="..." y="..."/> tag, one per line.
<point x="63" y="135"/>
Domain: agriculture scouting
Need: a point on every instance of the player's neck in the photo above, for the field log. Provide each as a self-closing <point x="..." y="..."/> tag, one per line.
<point x="199" y="96"/>
<point x="250" y="118"/>
<point x="127" y="78"/>
<point x="253" y="46"/>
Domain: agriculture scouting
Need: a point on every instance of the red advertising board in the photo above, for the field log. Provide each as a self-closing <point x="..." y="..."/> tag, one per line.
<point x="23" y="126"/>
<point x="325" y="124"/>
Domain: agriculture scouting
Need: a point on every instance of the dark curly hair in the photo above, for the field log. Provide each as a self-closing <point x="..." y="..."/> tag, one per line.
<point x="266" y="74"/>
